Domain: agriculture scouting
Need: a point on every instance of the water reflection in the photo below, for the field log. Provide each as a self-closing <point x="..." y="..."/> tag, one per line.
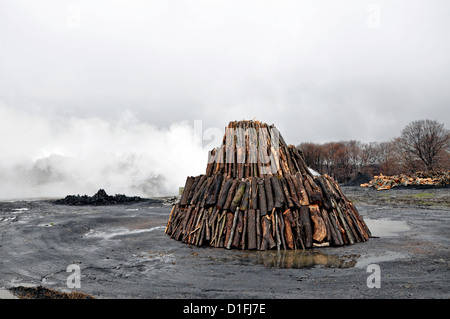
<point x="304" y="259"/>
<point x="386" y="227"/>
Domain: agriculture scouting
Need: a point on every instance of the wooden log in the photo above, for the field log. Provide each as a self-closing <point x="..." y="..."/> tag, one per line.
<point x="228" y="227"/>
<point x="262" y="201"/>
<point x="324" y="215"/>
<point x="344" y="223"/>
<point x="244" y="243"/>
<point x="267" y="239"/>
<point x="314" y="193"/>
<point x="326" y="193"/>
<point x="290" y="163"/>
<point x="334" y="221"/>
<point x="277" y="192"/>
<point x="187" y="221"/>
<point x="305" y="222"/>
<point x="365" y="232"/>
<point x="281" y="227"/>
<point x="269" y="194"/>
<point x="299" y="231"/>
<point x="233" y="228"/>
<point x="253" y="193"/>
<point x="187" y="189"/>
<point x="238" y="196"/>
<point x="301" y="191"/>
<point x="211" y="161"/>
<point x="277" y="230"/>
<point x="251" y="229"/>
<point x="239" y="240"/>
<point x="331" y="229"/>
<point x="288" y="222"/>
<point x="207" y="223"/>
<point x="224" y="193"/>
<point x="283" y="162"/>
<point x="351" y="221"/>
<point x="238" y="229"/>
<point x="215" y="191"/>
<point x="245" y="198"/>
<point x="230" y="195"/>
<point x="287" y="195"/>
<point x="169" y="223"/>
<point x="258" y="229"/>
<point x="221" y="221"/>
<point x="198" y="196"/>
<point x="320" y="229"/>
<point x="292" y="190"/>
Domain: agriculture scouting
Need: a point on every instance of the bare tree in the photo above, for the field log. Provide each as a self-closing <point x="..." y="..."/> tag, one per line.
<point x="423" y="141"/>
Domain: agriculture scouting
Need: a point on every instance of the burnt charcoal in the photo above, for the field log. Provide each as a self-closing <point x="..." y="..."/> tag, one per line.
<point x="100" y="198"/>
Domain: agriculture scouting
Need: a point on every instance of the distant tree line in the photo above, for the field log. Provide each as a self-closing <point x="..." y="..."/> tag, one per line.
<point x="423" y="145"/>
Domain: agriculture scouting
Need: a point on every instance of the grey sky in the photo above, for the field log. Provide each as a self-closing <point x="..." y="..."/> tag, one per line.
<point x="319" y="70"/>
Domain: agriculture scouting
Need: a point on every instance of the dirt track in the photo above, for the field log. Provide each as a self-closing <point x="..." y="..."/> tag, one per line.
<point x="122" y="252"/>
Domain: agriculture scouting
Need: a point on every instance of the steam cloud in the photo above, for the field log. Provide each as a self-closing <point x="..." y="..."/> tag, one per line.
<point x="42" y="157"/>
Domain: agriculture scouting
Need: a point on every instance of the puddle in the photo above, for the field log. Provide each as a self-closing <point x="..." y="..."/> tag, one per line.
<point x="375" y="259"/>
<point x="119" y="232"/>
<point x="386" y="227"/>
<point x="6" y="294"/>
<point x="304" y="259"/>
<point x="20" y="210"/>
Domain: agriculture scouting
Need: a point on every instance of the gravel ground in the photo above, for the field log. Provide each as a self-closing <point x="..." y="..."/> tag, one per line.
<point x="121" y="251"/>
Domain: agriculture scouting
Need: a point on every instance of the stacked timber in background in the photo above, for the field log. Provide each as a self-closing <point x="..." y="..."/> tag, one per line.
<point x="431" y="178"/>
<point x="257" y="193"/>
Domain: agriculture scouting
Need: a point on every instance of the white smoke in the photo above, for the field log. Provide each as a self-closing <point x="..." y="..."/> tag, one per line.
<point x="41" y="157"/>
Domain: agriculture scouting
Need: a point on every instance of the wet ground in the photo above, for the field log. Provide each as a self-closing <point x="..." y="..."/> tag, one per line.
<point x="121" y="251"/>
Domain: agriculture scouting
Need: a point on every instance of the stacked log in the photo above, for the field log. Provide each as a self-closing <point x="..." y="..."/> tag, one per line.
<point x="257" y="193"/>
<point x="432" y="178"/>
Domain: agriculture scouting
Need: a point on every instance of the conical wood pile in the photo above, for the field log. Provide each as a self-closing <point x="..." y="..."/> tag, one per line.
<point x="258" y="193"/>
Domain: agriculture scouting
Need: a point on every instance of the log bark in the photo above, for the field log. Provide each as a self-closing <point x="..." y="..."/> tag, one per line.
<point x="287" y="216"/>
<point x="267" y="239"/>
<point x="281" y="228"/>
<point x="244" y="231"/>
<point x="292" y="190"/>
<point x="277" y="192"/>
<point x="315" y="194"/>
<point x="172" y="215"/>
<point x="251" y="229"/>
<point x="228" y="227"/>
<point x="269" y="194"/>
<point x="336" y="238"/>
<point x="277" y="230"/>
<point x="345" y="225"/>
<point x="238" y="229"/>
<point x="187" y="190"/>
<point x="287" y="195"/>
<point x="223" y="193"/>
<point x="258" y="229"/>
<point x="320" y="229"/>
<point x="231" y="194"/>
<point x="238" y="196"/>
<point x="253" y="193"/>
<point x="262" y="201"/>
<point x="301" y="191"/>
<point x="326" y="193"/>
<point x="305" y="222"/>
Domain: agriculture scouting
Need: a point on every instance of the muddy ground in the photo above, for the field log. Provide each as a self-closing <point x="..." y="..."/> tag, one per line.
<point x="122" y="252"/>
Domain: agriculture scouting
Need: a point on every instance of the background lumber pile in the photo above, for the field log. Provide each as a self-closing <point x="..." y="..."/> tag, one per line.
<point x="257" y="193"/>
<point x="382" y="182"/>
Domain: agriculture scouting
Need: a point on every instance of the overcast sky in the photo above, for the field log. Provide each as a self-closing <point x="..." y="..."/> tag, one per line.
<point x="319" y="70"/>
